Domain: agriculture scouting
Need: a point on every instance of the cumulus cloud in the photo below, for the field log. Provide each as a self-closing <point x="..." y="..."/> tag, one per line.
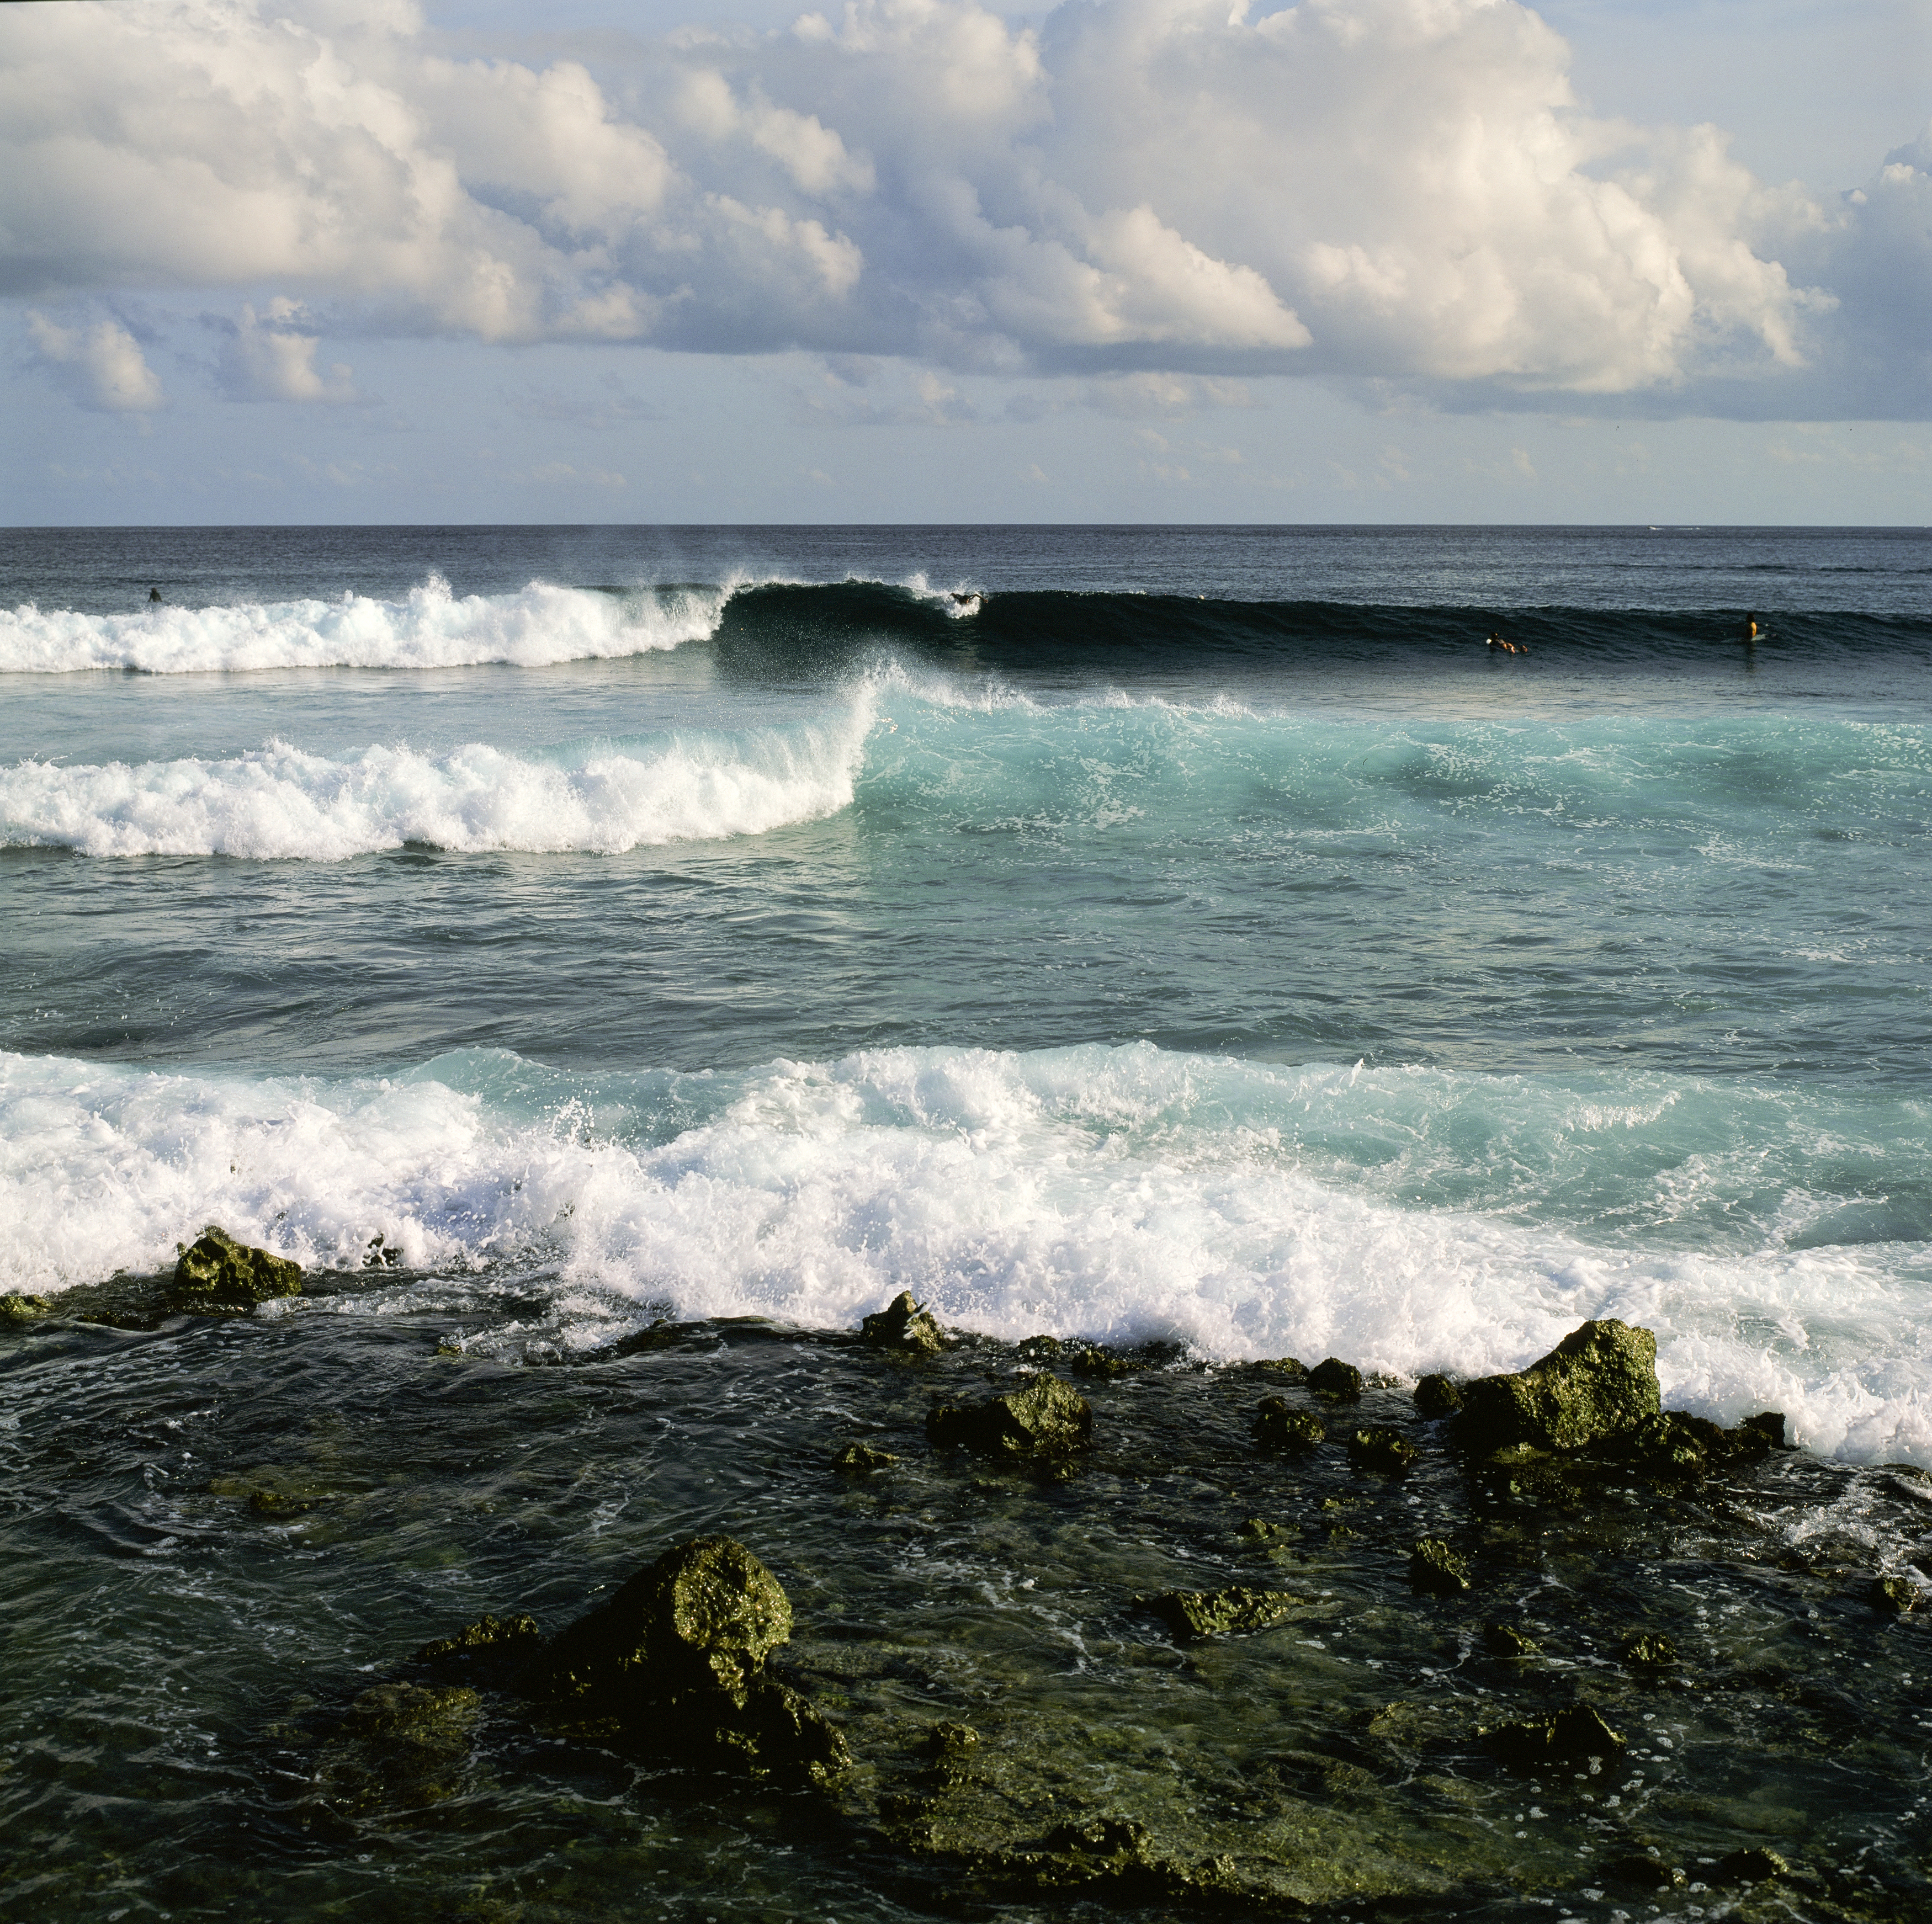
<point x="1403" y="190"/>
<point x="101" y="366"/>
<point x="271" y="357"/>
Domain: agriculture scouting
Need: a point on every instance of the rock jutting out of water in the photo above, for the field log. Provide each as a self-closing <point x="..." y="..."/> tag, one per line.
<point x="1599" y="1382"/>
<point x="1436" y="1396"/>
<point x="1332" y="1377"/>
<point x="1379" y="1448"/>
<point x="1281" y="1427"/>
<point x="215" y="1274"/>
<point x="1047" y="1418"/>
<point x="675" y="1665"/>
<point x="1191" y="1614"/>
<point x="902" y="1325"/>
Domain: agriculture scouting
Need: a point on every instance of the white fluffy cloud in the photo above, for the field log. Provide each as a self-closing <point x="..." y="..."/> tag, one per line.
<point x="1396" y="188"/>
<point x="271" y="357"/>
<point x="102" y="367"/>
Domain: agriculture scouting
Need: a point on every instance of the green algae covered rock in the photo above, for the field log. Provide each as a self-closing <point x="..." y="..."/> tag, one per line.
<point x="1333" y="1377"/>
<point x="1046" y="1418"/>
<point x="1436" y="1570"/>
<point x="1280" y="1427"/>
<point x="1191" y="1614"/>
<point x="675" y="1663"/>
<point x="496" y="1640"/>
<point x="1751" y="1866"/>
<point x="401" y="1748"/>
<point x="16" y="1309"/>
<point x="861" y="1459"/>
<point x="1571" y="1736"/>
<point x="217" y="1275"/>
<point x="1650" y="1649"/>
<point x="1500" y="1640"/>
<point x="1599" y="1382"/>
<point x="1384" y="1449"/>
<point x="902" y="1325"/>
<point x="1894" y="1596"/>
<point x="1436" y="1396"/>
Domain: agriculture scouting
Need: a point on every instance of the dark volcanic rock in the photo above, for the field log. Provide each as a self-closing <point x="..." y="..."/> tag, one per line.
<point x="1333" y="1377"/>
<point x="1281" y="1427"/>
<point x="1047" y="1418"/>
<point x="1434" y="1568"/>
<point x="676" y="1662"/>
<point x="217" y="1274"/>
<point x="493" y="1647"/>
<point x="1190" y="1614"/>
<point x="1751" y="1867"/>
<point x="1436" y="1396"/>
<point x="1380" y="1449"/>
<point x="1895" y="1595"/>
<point x="1569" y="1737"/>
<point x="901" y="1325"/>
<point x="1599" y="1382"/>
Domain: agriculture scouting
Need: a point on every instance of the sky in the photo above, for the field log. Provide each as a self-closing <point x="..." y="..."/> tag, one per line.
<point x="1600" y="261"/>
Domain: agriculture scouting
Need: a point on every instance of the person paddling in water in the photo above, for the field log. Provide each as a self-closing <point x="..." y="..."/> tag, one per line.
<point x="154" y="594"/>
<point x="1499" y="646"/>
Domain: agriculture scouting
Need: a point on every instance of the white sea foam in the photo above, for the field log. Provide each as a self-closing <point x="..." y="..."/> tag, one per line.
<point x="1109" y="1192"/>
<point x="281" y="802"/>
<point x="430" y="628"/>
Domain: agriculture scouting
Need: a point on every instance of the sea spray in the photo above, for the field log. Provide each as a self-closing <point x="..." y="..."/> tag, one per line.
<point x="1112" y="1195"/>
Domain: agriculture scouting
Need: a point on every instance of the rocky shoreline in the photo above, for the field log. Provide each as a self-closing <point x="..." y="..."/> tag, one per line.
<point x="1440" y="1648"/>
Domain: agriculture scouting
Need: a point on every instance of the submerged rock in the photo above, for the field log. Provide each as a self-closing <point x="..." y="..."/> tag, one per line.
<point x="217" y="1275"/>
<point x="1643" y="1873"/>
<point x="1190" y="1614"/>
<point x="401" y="1747"/>
<point x="1571" y="1736"/>
<point x="675" y="1662"/>
<point x="1281" y="1427"/>
<point x="1380" y="1449"/>
<point x="1047" y="1418"/>
<point x="1436" y="1569"/>
<point x="1333" y="1377"/>
<point x="1599" y="1382"/>
<point x="901" y="1325"/>
<point x="861" y="1459"/>
<point x="1436" y="1396"/>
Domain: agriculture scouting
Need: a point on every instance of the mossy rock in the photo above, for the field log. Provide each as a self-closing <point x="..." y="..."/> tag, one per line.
<point x="1894" y="1596"/>
<point x="16" y="1309"/>
<point x="1046" y="1418"/>
<point x="1572" y="1736"/>
<point x="1650" y="1649"/>
<point x="401" y="1747"/>
<point x="1437" y="1396"/>
<point x="499" y="1646"/>
<point x="217" y="1275"/>
<point x="274" y="1490"/>
<point x="1637" y="1871"/>
<point x="1192" y="1614"/>
<point x="1436" y="1570"/>
<point x="902" y="1325"/>
<point x="1103" y="1363"/>
<point x="1281" y="1427"/>
<point x="674" y="1664"/>
<point x="1500" y="1639"/>
<point x="1751" y="1866"/>
<point x="1384" y="1449"/>
<point x="1292" y="1367"/>
<point x="861" y="1459"/>
<point x="1331" y="1376"/>
<point x="1600" y="1381"/>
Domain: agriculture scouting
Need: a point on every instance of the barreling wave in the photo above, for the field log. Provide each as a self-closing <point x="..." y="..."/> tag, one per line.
<point x="430" y="628"/>
<point x="1409" y="1219"/>
<point x="791" y="626"/>
<point x="280" y="802"/>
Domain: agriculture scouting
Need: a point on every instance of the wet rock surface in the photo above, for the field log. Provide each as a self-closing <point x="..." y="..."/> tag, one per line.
<point x="1046" y="1418"/>
<point x="902" y="1325"/>
<point x="1600" y="1382"/>
<point x="1028" y="1735"/>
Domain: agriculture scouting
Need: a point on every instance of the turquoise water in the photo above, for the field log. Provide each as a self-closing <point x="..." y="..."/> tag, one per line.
<point x="1199" y="936"/>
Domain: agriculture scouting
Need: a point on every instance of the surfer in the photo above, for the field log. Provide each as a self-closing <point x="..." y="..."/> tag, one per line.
<point x="154" y="594"/>
<point x="1751" y="630"/>
<point x="1497" y="644"/>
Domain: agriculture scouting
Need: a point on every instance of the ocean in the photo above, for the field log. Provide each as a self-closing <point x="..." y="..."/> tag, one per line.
<point x="1197" y="938"/>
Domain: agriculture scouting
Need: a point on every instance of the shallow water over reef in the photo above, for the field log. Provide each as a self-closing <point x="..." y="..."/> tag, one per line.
<point x="225" y="1529"/>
